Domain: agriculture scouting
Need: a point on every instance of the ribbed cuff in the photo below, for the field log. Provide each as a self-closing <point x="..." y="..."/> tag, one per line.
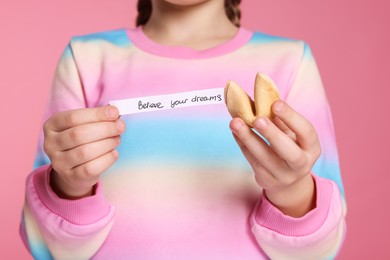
<point x="270" y="217"/>
<point x="82" y="211"/>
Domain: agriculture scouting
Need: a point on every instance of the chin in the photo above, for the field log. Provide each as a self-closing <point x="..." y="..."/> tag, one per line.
<point x="186" y="2"/>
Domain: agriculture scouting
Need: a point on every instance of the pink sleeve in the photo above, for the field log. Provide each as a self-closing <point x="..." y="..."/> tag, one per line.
<point x="74" y="228"/>
<point x="52" y="227"/>
<point x="316" y="235"/>
<point x="319" y="234"/>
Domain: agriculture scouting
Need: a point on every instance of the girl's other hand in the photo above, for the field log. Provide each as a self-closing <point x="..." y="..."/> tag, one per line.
<point x="282" y="168"/>
<point x="81" y="145"/>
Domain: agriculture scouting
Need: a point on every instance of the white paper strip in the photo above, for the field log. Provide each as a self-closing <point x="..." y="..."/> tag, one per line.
<point x="170" y="101"/>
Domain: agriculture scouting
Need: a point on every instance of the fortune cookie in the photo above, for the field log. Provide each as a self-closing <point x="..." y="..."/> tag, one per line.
<point x="239" y="104"/>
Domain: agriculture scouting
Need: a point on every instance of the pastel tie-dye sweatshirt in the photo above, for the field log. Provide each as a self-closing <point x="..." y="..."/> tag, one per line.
<point x="181" y="188"/>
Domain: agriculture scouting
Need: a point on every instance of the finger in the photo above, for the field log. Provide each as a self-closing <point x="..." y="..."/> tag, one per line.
<point x="247" y="154"/>
<point x="87" y="152"/>
<point x="286" y="148"/>
<point x="88" y="133"/>
<point x="284" y="128"/>
<point x="72" y="118"/>
<point x="93" y="169"/>
<point x="263" y="177"/>
<point x="256" y="146"/>
<point x="303" y="129"/>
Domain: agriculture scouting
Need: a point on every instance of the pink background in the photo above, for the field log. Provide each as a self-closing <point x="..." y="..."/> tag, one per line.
<point x="349" y="39"/>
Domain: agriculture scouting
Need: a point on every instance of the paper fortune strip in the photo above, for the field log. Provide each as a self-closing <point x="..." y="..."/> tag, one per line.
<point x="169" y="101"/>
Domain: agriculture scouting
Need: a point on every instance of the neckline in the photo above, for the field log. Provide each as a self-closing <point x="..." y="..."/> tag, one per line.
<point x="140" y="40"/>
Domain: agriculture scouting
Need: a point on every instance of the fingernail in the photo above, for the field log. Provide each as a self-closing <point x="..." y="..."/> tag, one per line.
<point x="260" y="123"/>
<point x="237" y="126"/>
<point x="278" y="107"/>
<point x="112" y="113"/>
<point x="119" y="125"/>
<point x="115" y="153"/>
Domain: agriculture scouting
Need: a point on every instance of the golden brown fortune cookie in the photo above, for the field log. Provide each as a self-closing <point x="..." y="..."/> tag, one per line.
<point x="239" y="104"/>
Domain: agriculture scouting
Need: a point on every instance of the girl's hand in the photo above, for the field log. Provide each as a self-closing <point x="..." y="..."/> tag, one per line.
<point x="282" y="168"/>
<point x="81" y="145"/>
